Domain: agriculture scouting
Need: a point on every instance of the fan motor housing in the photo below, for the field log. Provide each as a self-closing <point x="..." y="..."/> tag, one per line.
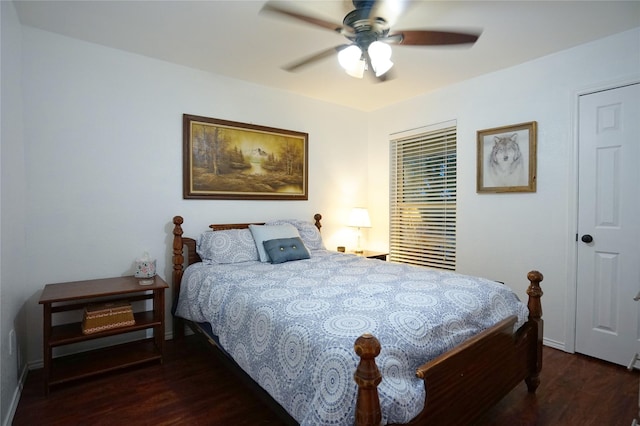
<point x="362" y="24"/>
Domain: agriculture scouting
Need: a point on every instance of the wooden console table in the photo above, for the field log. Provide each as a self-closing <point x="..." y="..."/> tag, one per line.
<point x="74" y="296"/>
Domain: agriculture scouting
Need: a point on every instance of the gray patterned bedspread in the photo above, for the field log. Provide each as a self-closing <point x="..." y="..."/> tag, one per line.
<point x="292" y="326"/>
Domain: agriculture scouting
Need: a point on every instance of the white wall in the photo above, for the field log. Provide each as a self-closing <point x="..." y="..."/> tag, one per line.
<point x="103" y="146"/>
<point x="103" y="141"/>
<point x="12" y="221"/>
<point x="503" y="236"/>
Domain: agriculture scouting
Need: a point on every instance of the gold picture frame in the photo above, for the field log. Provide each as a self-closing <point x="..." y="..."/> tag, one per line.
<point x="230" y="160"/>
<point x="507" y="159"/>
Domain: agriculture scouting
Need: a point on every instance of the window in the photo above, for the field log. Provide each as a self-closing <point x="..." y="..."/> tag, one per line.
<point x="423" y="197"/>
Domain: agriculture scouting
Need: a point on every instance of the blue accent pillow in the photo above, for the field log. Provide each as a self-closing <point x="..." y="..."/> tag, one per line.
<point x="263" y="233"/>
<point x="286" y="249"/>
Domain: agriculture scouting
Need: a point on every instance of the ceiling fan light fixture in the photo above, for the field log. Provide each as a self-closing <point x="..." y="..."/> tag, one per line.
<point x="358" y="70"/>
<point x="368" y="31"/>
<point x="380" y="54"/>
<point x="381" y="67"/>
<point x="352" y="61"/>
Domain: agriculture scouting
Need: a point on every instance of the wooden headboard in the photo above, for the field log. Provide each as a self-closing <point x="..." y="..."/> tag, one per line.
<point x="179" y="244"/>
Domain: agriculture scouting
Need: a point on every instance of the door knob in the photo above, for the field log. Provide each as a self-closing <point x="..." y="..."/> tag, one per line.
<point x="586" y="238"/>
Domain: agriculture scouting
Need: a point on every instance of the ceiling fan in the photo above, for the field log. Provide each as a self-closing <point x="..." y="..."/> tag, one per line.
<point x="368" y="30"/>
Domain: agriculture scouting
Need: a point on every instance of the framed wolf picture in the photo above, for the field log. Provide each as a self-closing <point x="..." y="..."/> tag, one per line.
<point x="507" y="158"/>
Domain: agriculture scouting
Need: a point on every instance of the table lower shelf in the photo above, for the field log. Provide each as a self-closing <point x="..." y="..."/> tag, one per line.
<point x="66" y="334"/>
<point x="85" y="364"/>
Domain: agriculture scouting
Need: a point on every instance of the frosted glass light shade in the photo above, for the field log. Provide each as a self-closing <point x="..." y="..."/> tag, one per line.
<point x="380" y="54"/>
<point x="351" y="60"/>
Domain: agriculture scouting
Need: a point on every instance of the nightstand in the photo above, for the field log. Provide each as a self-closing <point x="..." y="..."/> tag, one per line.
<point x="373" y="255"/>
<point x="75" y="296"/>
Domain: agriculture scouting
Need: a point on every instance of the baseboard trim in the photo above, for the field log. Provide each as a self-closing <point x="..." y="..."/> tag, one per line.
<point x="16" y="396"/>
<point x="555" y="344"/>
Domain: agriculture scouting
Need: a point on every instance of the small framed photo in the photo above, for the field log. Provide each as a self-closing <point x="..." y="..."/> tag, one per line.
<point x="507" y="159"/>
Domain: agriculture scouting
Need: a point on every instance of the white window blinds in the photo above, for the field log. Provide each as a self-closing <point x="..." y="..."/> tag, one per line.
<point x="423" y="198"/>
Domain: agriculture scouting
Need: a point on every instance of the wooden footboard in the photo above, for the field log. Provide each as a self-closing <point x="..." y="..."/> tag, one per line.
<point x="466" y="381"/>
<point x="460" y="384"/>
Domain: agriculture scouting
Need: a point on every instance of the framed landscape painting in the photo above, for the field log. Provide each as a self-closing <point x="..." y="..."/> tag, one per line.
<point x="230" y="160"/>
<point x="507" y="159"/>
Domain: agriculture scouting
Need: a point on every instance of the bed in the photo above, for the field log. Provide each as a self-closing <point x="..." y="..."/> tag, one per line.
<point x="451" y="346"/>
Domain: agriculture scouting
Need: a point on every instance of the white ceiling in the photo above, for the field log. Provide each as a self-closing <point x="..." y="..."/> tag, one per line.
<point x="234" y="39"/>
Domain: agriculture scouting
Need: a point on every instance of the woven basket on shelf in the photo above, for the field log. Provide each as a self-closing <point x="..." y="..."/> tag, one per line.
<point x="105" y="316"/>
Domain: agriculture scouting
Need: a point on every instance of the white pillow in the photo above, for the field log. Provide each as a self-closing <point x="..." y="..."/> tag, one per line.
<point x="262" y="233"/>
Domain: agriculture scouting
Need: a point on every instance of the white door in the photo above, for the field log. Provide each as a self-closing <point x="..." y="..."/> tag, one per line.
<point x="608" y="318"/>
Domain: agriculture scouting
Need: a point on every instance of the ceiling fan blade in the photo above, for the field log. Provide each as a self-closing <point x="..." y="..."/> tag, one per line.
<point x="270" y="7"/>
<point x="295" y="66"/>
<point x="431" y="38"/>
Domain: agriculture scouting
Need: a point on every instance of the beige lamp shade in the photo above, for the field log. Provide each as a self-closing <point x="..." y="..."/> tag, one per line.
<point x="359" y="218"/>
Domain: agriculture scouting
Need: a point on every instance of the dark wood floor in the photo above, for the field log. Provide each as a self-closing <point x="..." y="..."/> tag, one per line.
<point x="193" y="387"/>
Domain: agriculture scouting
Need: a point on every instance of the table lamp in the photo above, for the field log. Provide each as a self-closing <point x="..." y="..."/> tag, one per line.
<point x="359" y="218"/>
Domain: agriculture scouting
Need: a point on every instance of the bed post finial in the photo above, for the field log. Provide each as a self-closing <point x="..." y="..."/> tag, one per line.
<point x="535" y="316"/>
<point x="178" y="261"/>
<point x="535" y="293"/>
<point x="317" y="217"/>
<point x="367" y="377"/>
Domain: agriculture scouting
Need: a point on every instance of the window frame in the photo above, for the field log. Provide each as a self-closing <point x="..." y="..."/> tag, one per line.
<point x="423" y="196"/>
